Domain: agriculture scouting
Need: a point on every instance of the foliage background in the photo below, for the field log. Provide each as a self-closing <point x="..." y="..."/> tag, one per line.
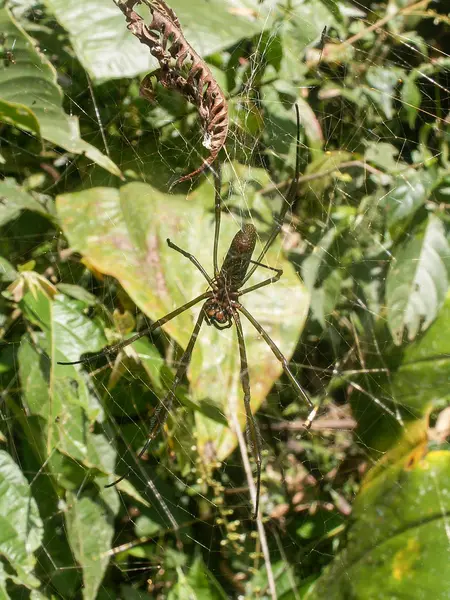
<point x="359" y="507"/>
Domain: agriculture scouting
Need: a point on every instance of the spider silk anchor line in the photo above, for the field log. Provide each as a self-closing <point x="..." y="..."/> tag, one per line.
<point x="221" y="309"/>
<point x="180" y="69"/>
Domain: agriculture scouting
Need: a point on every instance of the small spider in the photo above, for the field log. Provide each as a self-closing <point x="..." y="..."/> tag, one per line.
<point x="221" y="309"/>
<point x="7" y="54"/>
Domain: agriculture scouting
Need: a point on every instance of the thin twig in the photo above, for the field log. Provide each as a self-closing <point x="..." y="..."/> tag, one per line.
<point x="317" y="425"/>
<point x="404" y="11"/>
<point x="305" y="178"/>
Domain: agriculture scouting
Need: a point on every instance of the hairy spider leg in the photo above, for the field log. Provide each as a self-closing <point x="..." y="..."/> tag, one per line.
<point x="193" y="260"/>
<point x="137" y="336"/>
<point x="165" y="406"/>
<point x="263" y="333"/>
<point x="252" y="430"/>
<point x="287" y="203"/>
<point x="275" y="278"/>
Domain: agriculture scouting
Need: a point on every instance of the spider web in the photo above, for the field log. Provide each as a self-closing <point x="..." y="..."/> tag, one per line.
<point x="373" y="94"/>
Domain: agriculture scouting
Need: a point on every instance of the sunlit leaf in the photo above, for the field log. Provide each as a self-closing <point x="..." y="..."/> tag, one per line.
<point x="409" y="384"/>
<point x="99" y="34"/>
<point x="21" y="528"/>
<point x="417" y="281"/>
<point x="90" y="532"/>
<point x="14" y="199"/>
<point x="408" y="192"/>
<point x="31" y="99"/>
<point x="404" y="506"/>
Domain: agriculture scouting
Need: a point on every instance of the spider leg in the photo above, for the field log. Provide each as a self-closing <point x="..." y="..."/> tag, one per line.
<point x="165" y="406"/>
<point x="279" y="273"/>
<point x="288" y="200"/>
<point x="263" y="333"/>
<point x="193" y="260"/>
<point x="217" y="174"/>
<point x="252" y="430"/>
<point x="137" y="336"/>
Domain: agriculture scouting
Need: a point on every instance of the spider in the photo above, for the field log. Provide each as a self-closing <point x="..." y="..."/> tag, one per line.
<point x="221" y="309"/>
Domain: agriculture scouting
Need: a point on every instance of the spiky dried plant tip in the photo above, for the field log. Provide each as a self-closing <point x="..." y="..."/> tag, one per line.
<point x="180" y="69"/>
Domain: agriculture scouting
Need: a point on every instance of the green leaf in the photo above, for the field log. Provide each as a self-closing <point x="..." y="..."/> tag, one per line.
<point x="14" y="199"/>
<point x="99" y="35"/>
<point x="406" y="195"/>
<point x="198" y="584"/>
<point x="3" y="577"/>
<point x="7" y="271"/>
<point x="420" y="382"/>
<point x="383" y="155"/>
<point x="417" y="281"/>
<point x="90" y="530"/>
<point x="123" y="233"/>
<point x="31" y="99"/>
<point x="333" y="7"/>
<point x="281" y="124"/>
<point x="62" y="395"/>
<point x="381" y="88"/>
<point x="404" y="505"/>
<point x="415" y="384"/>
<point x="411" y="98"/>
<point x="21" y="528"/>
<point x="302" y="28"/>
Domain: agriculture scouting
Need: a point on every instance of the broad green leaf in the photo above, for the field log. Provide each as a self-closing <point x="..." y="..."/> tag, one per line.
<point x="62" y="395"/>
<point x="315" y="261"/>
<point x="416" y="383"/>
<point x="21" y="528"/>
<point x="123" y="233"/>
<point x="322" y="275"/>
<point x="408" y="192"/>
<point x="281" y="124"/>
<point x="90" y="530"/>
<point x="98" y="31"/>
<point x="417" y="281"/>
<point x="14" y="199"/>
<point x="77" y="292"/>
<point x="383" y="155"/>
<point x="31" y="99"/>
<point x="397" y="540"/>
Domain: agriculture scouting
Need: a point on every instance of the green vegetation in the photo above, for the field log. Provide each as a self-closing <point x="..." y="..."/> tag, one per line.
<point x="358" y="507"/>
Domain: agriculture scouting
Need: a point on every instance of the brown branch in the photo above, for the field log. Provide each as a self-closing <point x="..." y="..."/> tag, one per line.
<point x="317" y="425"/>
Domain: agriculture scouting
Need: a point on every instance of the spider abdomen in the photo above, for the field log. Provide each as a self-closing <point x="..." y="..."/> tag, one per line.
<point x="238" y="257"/>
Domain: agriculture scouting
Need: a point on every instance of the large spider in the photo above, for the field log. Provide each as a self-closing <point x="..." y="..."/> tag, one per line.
<point x="221" y="309"/>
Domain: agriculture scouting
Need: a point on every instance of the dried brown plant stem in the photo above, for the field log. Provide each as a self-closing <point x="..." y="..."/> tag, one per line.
<point x="180" y="69"/>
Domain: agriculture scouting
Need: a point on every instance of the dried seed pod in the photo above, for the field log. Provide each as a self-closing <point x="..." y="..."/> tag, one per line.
<point x="180" y="69"/>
